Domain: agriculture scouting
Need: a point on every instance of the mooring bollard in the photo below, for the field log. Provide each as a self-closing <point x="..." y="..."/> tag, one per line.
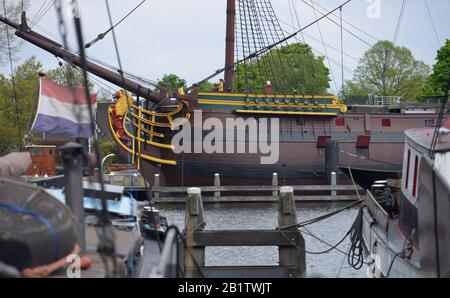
<point x="331" y="159"/>
<point x="275" y="184"/>
<point x="217" y="184"/>
<point x="290" y="256"/>
<point x="333" y="183"/>
<point x="156" y="184"/>
<point x="194" y="221"/>
<point x="73" y="165"/>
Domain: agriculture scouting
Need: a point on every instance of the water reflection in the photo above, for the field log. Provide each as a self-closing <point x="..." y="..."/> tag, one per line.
<point x="252" y="216"/>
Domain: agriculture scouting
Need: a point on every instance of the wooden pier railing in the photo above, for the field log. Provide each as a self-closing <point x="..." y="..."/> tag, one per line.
<point x="189" y="261"/>
<point x="259" y="193"/>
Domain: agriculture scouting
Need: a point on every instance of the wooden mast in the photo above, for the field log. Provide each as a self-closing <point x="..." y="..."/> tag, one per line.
<point x="229" y="49"/>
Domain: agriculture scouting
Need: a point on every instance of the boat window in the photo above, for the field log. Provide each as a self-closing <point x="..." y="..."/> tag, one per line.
<point x="340" y="122"/>
<point x="386" y="122"/>
<point x="407" y="169"/>
<point x="50" y="152"/>
<point x="416" y="165"/>
<point x="33" y="152"/>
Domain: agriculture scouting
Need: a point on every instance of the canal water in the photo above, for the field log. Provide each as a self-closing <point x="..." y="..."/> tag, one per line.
<point x="264" y="216"/>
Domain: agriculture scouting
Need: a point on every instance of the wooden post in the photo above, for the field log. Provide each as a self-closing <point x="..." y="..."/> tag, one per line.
<point x="156" y="184"/>
<point x="73" y="180"/>
<point x="194" y="221"/>
<point x="287" y="216"/>
<point x="275" y="183"/>
<point x="217" y="184"/>
<point x="333" y="183"/>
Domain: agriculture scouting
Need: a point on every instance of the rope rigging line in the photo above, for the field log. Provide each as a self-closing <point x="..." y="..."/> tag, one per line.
<point x="106" y="246"/>
<point x="102" y="35"/>
<point x="271" y="37"/>
<point x="432" y="22"/>
<point x="355" y="256"/>
<point x="267" y="48"/>
<point x="325" y="49"/>
<point x="348" y="23"/>
<point x="442" y="112"/>
<point x="266" y="41"/>
<point x="303" y="34"/>
<point x="318" y="51"/>
<point x="13" y="80"/>
<point x="337" y="24"/>
<point x="300" y="56"/>
<point x="39" y="11"/>
<point x="139" y="156"/>
<point x="399" y="22"/>
<point x="311" y="62"/>
<point x="366" y="158"/>
<point x="37" y="19"/>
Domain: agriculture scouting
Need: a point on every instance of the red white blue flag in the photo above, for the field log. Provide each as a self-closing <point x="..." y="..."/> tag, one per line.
<point x="63" y="111"/>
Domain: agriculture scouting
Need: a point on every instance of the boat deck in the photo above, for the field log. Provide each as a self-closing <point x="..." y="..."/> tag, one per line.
<point x="127" y="245"/>
<point x="385" y="249"/>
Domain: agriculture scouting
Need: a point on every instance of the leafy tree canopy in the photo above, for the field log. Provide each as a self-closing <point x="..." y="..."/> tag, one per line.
<point x="438" y="80"/>
<point x="13" y="12"/>
<point x="388" y="70"/>
<point x="26" y="79"/>
<point x="293" y="68"/>
<point x="172" y="82"/>
<point x="67" y="75"/>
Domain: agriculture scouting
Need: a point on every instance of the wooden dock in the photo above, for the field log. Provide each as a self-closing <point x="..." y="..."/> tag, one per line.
<point x="191" y="248"/>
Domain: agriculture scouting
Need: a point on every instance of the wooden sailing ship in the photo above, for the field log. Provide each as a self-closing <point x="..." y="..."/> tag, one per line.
<point x="371" y="140"/>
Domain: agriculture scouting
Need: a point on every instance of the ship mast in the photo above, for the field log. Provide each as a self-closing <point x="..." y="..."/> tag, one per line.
<point x="229" y="48"/>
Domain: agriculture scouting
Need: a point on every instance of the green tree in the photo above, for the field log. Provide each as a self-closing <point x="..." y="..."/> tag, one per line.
<point x="206" y="86"/>
<point x="11" y="123"/>
<point x="388" y="70"/>
<point x="67" y="75"/>
<point x="13" y="12"/>
<point x="293" y="68"/>
<point x="437" y="82"/>
<point x="172" y="82"/>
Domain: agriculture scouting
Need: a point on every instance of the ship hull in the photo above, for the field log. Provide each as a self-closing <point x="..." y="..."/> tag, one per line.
<point x="301" y="156"/>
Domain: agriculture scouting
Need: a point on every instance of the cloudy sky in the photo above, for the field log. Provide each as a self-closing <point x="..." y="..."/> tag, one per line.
<point x="187" y="37"/>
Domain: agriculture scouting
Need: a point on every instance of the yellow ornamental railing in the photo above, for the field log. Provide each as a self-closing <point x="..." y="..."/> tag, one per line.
<point x="139" y="118"/>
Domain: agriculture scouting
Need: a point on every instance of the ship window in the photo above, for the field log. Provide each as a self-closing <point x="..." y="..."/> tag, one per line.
<point x="416" y="165"/>
<point x="407" y="169"/>
<point x="322" y="141"/>
<point x="50" y="152"/>
<point x="363" y="142"/>
<point x="340" y="122"/>
<point x="33" y="152"/>
<point x="429" y="123"/>
<point x="386" y="122"/>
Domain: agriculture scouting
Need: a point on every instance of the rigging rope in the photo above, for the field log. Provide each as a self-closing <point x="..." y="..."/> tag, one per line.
<point x="346" y="30"/>
<point x="37" y="18"/>
<point x="13" y="80"/>
<point x="102" y="35"/>
<point x="432" y="22"/>
<point x="325" y="48"/>
<point x="399" y="22"/>
<point x="350" y="24"/>
<point x="267" y="48"/>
